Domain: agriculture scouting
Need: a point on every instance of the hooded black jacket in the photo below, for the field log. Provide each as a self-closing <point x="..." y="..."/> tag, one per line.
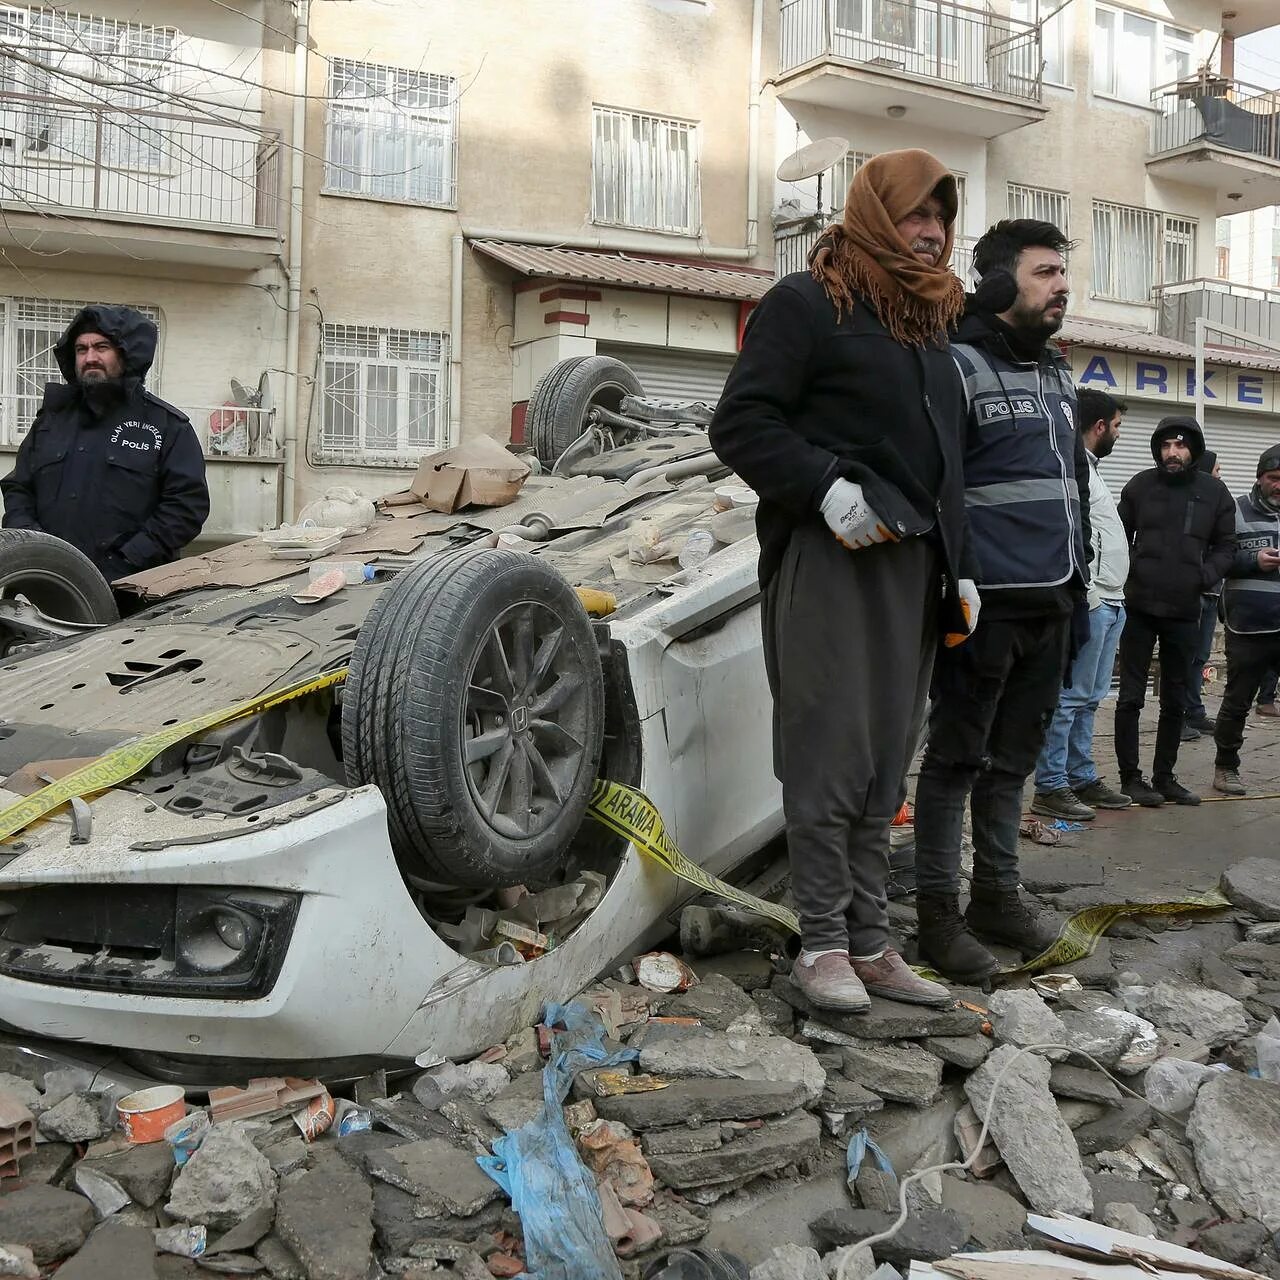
<point x="1182" y="533"/>
<point x="812" y="399"/>
<point x="116" y="472"/>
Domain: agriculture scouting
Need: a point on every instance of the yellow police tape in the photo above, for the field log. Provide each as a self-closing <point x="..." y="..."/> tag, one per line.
<point x="125" y="761"/>
<point x="634" y="816"/>
<point x="624" y="810"/>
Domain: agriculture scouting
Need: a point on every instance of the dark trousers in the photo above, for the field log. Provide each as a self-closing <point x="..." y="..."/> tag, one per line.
<point x="1250" y="659"/>
<point x="1178" y="638"/>
<point x="993" y="698"/>
<point x="848" y="639"/>
<point x="1267" y="690"/>
<point x="1204" y="647"/>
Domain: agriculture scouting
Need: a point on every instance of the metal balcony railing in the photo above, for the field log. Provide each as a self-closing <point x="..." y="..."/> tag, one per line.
<point x="224" y="431"/>
<point x="57" y="153"/>
<point x="1220" y="112"/>
<point x="791" y="247"/>
<point x="934" y="40"/>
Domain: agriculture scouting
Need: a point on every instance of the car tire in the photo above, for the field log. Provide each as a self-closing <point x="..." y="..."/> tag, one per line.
<point x="60" y="580"/>
<point x="475" y="702"/>
<point x="565" y="395"/>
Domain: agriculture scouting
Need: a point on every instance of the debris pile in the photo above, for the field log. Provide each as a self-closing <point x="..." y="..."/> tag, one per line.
<point x="701" y="1098"/>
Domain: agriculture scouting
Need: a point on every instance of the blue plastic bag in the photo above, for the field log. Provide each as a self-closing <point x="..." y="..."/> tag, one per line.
<point x="859" y="1144"/>
<point x="538" y="1166"/>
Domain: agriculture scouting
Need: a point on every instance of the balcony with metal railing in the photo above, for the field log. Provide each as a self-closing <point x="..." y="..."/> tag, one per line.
<point x="938" y="63"/>
<point x="1244" y="308"/>
<point x="1215" y="132"/>
<point x="791" y="245"/>
<point x="146" y="185"/>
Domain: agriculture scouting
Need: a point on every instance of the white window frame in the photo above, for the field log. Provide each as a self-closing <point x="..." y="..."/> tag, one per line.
<point x="368" y="395"/>
<point x="382" y="125"/>
<point x="29" y="329"/>
<point x="1040" y="203"/>
<point x="42" y="127"/>
<point x="1170" y="237"/>
<point x="1055" y="38"/>
<point x="1108" y="70"/>
<point x="644" y="182"/>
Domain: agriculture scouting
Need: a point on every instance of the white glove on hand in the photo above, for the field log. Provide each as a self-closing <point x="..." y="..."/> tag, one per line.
<point x="971" y="606"/>
<point x="851" y="518"/>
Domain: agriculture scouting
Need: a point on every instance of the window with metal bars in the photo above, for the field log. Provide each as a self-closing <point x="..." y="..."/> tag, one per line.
<point x="68" y="59"/>
<point x="644" y="172"/>
<point x="385" y="394"/>
<point x="1134" y="250"/>
<point x="29" y="328"/>
<point x="391" y="134"/>
<point x="1040" y="204"/>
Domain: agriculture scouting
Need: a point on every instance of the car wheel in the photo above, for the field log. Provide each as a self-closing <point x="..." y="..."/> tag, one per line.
<point x="475" y="702"/>
<point x="58" y="579"/>
<point x="566" y="394"/>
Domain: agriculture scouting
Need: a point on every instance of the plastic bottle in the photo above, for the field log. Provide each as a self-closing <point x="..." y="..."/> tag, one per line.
<point x="698" y="546"/>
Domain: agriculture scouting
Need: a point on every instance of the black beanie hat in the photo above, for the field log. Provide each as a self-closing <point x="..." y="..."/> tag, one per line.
<point x="1270" y="460"/>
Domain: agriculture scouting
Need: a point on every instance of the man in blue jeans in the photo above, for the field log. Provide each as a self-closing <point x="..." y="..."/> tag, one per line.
<point x="1067" y="781"/>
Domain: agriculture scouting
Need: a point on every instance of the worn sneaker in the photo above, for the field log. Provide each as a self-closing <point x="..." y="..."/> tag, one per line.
<point x="1228" y="782"/>
<point x="1174" y="791"/>
<point x="1137" y="789"/>
<point x="1097" y="795"/>
<point x="1267" y="709"/>
<point x="1202" y="724"/>
<point x="1062" y="803"/>
<point x="890" y="976"/>
<point x="830" y="983"/>
<point x="1189" y="733"/>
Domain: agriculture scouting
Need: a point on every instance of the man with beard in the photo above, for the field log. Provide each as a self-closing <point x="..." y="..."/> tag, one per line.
<point x="1024" y="465"/>
<point x="1181" y="525"/>
<point x="107" y="466"/>
<point x="843" y="412"/>
<point x="1251" y="599"/>
<point x="1067" y="781"/>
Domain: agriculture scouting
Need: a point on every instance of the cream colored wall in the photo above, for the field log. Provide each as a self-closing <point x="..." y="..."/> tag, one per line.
<point x="802" y="123"/>
<point x="1094" y="147"/>
<point x="529" y="76"/>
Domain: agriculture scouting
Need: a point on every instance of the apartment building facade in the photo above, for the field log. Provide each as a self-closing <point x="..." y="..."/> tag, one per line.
<point x="143" y="161"/>
<point x="1122" y="123"/>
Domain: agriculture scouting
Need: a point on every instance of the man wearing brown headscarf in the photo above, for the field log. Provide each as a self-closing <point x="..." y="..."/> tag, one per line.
<point x="844" y="413"/>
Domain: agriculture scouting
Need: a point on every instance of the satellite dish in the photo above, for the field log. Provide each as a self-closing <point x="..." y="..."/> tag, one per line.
<point x="265" y="399"/>
<point x="259" y="399"/>
<point x="241" y="394"/>
<point x="816" y="158"/>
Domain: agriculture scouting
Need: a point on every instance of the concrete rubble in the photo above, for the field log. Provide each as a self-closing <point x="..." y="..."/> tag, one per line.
<point x="732" y="1127"/>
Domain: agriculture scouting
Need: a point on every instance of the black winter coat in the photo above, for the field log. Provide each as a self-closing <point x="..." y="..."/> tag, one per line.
<point x="120" y="477"/>
<point x="1182" y="540"/>
<point x="812" y="398"/>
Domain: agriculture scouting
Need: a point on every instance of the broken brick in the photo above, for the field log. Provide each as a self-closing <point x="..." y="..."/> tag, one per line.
<point x="17" y="1133"/>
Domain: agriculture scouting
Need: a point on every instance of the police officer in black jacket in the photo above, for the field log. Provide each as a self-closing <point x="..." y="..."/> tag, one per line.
<point x="107" y="466"/>
<point x="1181" y="525"/>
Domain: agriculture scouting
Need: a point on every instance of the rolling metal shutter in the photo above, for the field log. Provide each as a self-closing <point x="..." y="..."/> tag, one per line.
<point x="671" y="373"/>
<point x="1237" y="438"/>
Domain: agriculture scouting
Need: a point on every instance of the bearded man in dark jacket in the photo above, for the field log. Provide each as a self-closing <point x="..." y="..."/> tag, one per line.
<point x="1181" y="524"/>
<point x="843" y="412"/>
<point x="1027" y="494"/>
<point x="107" y="466"/>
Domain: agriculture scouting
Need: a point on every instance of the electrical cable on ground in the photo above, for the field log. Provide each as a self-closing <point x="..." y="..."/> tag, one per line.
<point x="963" y="1166"/>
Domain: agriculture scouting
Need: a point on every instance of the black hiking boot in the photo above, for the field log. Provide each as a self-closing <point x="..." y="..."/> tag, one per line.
<point x="946" y="943"/>
<point x="1004" y="915"/>
<point x="1174" y="791"/>
<point x="1140" y="792"/>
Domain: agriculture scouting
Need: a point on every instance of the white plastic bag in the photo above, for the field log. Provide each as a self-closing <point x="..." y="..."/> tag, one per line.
<point x="1269" y="1051"/>
<point x="1172" y="1083"/>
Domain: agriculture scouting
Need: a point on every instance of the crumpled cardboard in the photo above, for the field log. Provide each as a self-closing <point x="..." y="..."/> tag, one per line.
<point x="477" y="473"/>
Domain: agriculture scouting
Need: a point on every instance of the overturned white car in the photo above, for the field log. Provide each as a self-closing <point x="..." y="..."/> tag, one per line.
<point x="306" y="887"/>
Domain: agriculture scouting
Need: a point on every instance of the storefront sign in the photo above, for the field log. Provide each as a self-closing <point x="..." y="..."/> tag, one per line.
<point x="1173" y="382"/>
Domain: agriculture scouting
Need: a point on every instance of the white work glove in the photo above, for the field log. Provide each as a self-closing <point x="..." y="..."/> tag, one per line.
<point x="851" y="517"/>
<point x="971" y="606"/>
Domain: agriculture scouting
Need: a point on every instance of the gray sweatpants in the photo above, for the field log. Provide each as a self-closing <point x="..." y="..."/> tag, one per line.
<point x="849" y="640"/>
